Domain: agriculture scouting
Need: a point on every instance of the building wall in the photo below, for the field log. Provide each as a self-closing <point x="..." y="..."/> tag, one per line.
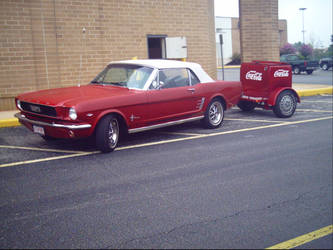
<point x="259" y="30"/>
<point x="42" y="43"/>
<point x="229" y="26"/>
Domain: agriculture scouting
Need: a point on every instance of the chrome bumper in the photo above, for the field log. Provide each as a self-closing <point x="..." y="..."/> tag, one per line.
<point x="54" y="125"/>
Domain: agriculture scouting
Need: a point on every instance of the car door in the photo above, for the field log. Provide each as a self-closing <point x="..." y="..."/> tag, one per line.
<point x="172" y="97"/>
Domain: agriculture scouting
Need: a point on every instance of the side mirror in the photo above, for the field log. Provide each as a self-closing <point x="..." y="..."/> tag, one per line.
<point x="155" y="85"/>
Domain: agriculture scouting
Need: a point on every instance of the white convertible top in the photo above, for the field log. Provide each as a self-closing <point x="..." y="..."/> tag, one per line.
<point x="167" y="64"/>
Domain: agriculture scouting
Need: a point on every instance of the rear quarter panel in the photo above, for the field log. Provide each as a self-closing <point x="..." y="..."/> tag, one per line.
<point x="230" y="91"/>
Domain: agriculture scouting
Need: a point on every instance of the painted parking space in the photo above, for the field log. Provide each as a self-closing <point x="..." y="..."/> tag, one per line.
<point x="18" y="146"/>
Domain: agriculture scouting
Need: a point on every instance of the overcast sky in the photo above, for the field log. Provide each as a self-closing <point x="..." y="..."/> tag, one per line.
<point x="317" y="19"/>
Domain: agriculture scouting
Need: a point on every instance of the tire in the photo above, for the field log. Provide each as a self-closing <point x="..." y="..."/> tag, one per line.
<point x="297" y="70"/>
<point x="214" y="114"/>
<point x="107" y="134"/>
<point x="48" y="138"/>
<point x="325" y="66"/>
<point x="285" y="105"/>
<point x="246" y="105"/>
<point x="309" y="72"/>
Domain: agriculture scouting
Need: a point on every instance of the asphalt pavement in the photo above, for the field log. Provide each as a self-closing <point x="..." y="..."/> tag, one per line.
<point x="253" y="183"/>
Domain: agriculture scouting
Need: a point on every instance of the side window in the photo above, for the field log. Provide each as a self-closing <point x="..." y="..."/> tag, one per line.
<point x="173" y="78"/>
<point x="193" y="78"/>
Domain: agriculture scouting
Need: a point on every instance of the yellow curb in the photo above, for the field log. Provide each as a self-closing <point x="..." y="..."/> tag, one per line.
<point x="230" y="67"/>
<point x="9" y="123"/>
<point x="311" y="92"/>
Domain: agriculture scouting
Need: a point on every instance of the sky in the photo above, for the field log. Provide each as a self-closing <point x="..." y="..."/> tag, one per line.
<point x="317" y="19"/>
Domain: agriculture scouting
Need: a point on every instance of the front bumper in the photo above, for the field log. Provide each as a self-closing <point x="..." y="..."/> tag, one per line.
<point x="56" y="129"/>
<point x="23" y="118"/>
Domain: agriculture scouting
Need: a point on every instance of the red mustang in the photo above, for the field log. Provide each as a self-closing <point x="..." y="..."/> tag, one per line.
<point x="129" y="96"/>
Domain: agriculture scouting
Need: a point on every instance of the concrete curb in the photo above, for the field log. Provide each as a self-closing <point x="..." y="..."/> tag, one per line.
<point x="311" y="92"/>
<point x="9" y="123"/>
<point x="13" y="122"/>
<point x="230" y="67"/>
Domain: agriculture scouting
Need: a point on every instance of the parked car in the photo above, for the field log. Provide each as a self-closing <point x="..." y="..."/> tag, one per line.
<point x="299" y="65"/>
<point x="325" y="63"/>
<point x="129" y="97"/>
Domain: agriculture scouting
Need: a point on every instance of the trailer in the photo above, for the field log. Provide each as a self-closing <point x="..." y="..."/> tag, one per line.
<point x="268" y="85"/>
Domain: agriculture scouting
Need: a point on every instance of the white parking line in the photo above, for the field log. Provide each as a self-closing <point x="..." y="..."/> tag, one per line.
<point x="315" y="110"/>
<point x="43" y="149"/>
<point x="250" y="120"/>
<point x="198" y="136"/>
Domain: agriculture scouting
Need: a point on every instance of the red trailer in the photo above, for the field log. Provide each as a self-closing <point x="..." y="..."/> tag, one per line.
<point x="268" y="85"/>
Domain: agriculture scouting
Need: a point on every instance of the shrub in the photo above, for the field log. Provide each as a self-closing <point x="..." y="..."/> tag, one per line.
<point x="306" y="50"/>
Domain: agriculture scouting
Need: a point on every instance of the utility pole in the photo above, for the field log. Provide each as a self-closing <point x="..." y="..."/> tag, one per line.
<point x="302" y="9"/>
<point x="221" y="43"/>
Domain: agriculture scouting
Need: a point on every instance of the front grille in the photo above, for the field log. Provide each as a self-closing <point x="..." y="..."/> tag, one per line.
<point x="39" y="109"/>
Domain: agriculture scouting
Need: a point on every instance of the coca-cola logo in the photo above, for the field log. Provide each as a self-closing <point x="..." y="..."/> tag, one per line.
<point x="254" y="75"/>
<point x="281" y="73"/>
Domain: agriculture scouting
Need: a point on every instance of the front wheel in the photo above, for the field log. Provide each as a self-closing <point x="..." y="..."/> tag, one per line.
<point x="246" y="105"/>
<point x="325" y="66"/>
<point x="285" y="105"/>
<point x="107" y="134"/>
<point x="214" y="114"/>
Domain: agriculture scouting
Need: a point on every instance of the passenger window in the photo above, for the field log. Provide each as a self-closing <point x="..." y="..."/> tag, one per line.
<point x="194" y="79"/>
<point x="173" y="78"/>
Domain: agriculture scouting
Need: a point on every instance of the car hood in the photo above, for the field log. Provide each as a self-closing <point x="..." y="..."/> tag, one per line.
<point x="72" y="96"/>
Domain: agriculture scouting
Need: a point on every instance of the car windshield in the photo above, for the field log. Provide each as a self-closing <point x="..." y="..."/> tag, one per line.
<point x="124" y="75"/>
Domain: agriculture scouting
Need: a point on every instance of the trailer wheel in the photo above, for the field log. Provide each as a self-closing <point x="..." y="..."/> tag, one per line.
<point x="214" y="114"/>
<point x="107" y="133"/>
<point x="246" y="105"/>
<point x="285" y="105"/>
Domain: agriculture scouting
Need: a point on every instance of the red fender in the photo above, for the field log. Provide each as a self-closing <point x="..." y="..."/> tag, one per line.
<point x="273" y="95"/>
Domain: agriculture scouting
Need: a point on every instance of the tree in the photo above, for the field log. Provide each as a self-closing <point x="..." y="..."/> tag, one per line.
<point x="287" y="49"/>
<point x="306" y="50"/>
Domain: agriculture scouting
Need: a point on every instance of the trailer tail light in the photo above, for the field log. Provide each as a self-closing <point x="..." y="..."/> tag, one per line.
<point x="305" y="63"/>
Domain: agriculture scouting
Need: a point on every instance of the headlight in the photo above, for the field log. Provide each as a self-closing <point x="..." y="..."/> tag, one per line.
<point x="18" y="103"/>
<point x="72" y="114"/>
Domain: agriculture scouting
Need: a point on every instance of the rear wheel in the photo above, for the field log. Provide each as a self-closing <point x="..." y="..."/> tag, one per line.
<point x="309" y="72"/>
<point x="325" y="66"/>
<point x="297" y="70"/>
<point x="246" y="105"/>
<point x="214" y="114"/>
<point x="285" y="105"/>
<point x="107" y="133"/>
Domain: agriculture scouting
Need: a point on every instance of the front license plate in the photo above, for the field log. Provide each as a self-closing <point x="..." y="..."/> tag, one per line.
<point x="38" y="130"/>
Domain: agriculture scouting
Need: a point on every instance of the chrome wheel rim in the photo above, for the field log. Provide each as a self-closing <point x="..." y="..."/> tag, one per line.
<point x="325" y="67"/>
<point x="287" y="104"/>
<point x="113" y="133"/>
<point x="215" y="113"/>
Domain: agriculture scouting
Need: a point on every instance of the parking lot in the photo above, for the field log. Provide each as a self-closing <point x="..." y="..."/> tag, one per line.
<point x="255" y="182"/>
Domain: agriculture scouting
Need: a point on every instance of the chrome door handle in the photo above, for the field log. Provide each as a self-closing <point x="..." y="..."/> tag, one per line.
<point x="192" y="90"/>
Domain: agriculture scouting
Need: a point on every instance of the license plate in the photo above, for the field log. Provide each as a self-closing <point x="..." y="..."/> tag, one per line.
<point x="38" y="130"/>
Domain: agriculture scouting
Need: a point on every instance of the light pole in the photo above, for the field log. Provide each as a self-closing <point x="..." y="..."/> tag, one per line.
<point x="302" y="9"/>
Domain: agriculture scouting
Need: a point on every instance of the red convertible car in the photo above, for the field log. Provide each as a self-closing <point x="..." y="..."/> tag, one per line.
<point x="129" y="96"/>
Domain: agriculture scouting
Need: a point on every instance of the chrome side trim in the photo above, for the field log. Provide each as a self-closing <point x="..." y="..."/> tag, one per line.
<point x="162" y="125"/>
<point x="54" y="125"/>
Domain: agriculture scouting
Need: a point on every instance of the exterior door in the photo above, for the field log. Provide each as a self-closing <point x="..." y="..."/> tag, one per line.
<point x="173" y="97"/>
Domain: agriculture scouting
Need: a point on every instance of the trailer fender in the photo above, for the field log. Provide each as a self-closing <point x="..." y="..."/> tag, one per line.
<point x="273" y="96"/>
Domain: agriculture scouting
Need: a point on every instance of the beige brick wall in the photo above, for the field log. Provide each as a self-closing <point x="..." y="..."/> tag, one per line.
<point x="259" y="30"/>
<point x="283" y="34"/>
<point x="42" y="44"/>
